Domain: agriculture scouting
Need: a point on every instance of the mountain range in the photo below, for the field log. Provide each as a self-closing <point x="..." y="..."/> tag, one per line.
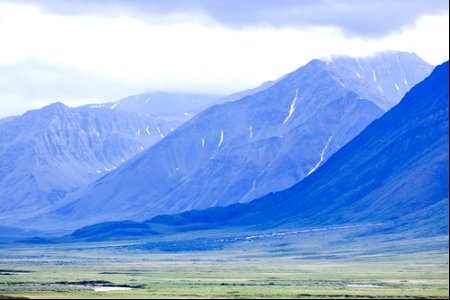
<point x="241" y="150"/>
<point x="46" y="153"/>
<point x="393" y="174"/>
<point x="49" y="152"/>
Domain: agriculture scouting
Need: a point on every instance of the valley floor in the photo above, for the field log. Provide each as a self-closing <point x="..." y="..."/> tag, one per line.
<point x="276" y="268"/>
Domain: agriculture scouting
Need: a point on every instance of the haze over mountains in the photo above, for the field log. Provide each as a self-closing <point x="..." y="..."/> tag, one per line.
<point x="394" y="173"/>
<point x="238" y="151"/>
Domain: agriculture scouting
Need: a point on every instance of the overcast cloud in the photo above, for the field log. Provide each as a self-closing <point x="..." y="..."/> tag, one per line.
<point x="373" y="18"/>
<point x="80" y="52"/>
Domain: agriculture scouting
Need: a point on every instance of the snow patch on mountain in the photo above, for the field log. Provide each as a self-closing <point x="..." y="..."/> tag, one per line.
<point x="322" y="155"/>
<point x="160" y="133"/>
<point x="221" y="139"/>
<point x="115" y="104"/>
<point x="292" y="109"/>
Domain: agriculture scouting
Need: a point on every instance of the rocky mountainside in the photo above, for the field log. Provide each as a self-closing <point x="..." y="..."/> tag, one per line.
<point x="48" y="152"/>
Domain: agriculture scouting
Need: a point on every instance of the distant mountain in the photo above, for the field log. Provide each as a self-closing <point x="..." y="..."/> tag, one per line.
<point x="249" y="92"/>
<point x="161" y="103"/>
<point x="241" y="150"/>
<point x="176" y="104"/>
<point x="395" y="172"/>
<point x="48" y="152"/>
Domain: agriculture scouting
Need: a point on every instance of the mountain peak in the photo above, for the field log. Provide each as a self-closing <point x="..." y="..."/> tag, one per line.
<point x="386" y="54"/>
<point x="48" y="110"/>
<point x="56" y="105"/>
<point x="383" y="77"/>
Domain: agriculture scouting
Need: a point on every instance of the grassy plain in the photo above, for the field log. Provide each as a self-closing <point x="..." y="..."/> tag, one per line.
<point x="285" y="267"/>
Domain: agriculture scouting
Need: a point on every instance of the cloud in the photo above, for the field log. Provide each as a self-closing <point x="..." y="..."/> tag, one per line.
<point x="33" y="84"/>
<point x="82" y="57"/>
<point x="368" y="18"/>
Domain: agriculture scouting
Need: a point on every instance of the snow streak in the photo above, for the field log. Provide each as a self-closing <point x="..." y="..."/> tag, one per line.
<point x="321" y="156"/>
<point x="160" y="133"/>
<point x="114" y="105"/>
<point x="291" y="111"/>
<point x="221" y="139"/>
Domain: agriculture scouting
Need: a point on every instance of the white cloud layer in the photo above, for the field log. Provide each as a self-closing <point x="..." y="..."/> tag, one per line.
<point x="46" y="57"/>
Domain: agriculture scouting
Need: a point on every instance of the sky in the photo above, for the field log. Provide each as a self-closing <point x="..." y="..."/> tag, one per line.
<point x="80" y="52"/>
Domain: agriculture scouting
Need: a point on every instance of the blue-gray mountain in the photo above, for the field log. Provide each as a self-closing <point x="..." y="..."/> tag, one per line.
<point x="242" y="150"/>
<point x="48" y="152"/>
<point x="395" y="171"/>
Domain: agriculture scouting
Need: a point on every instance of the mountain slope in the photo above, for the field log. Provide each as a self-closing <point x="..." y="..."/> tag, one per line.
<point x="395" y="171"/>
<point x="48" y="152"/>
<point x="241" y="150"/>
